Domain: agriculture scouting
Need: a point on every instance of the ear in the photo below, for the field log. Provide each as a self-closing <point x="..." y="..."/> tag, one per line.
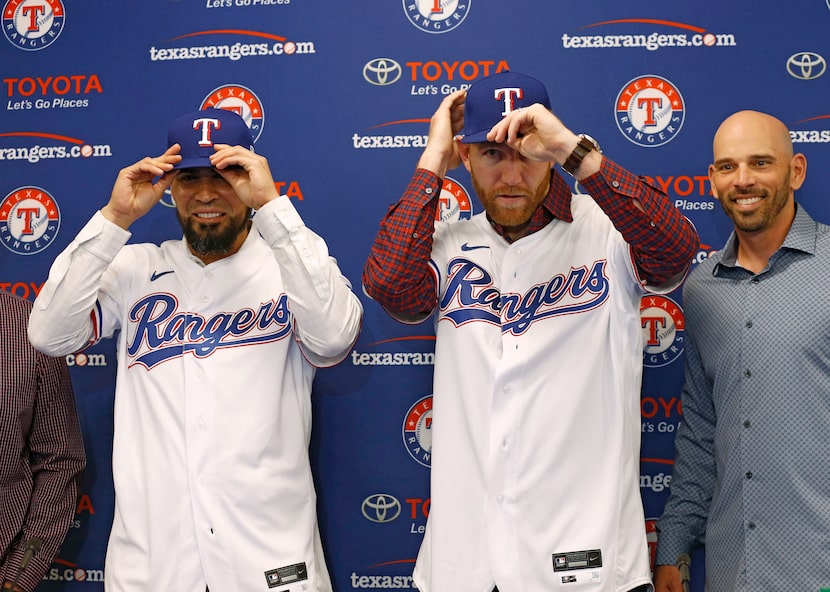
<point x="798" y="171"/>
<point x="712" y="182"/>
<point x="464" y="153"/>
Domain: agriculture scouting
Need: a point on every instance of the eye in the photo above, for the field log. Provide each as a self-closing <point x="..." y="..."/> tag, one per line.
<point x="185" y="177"/>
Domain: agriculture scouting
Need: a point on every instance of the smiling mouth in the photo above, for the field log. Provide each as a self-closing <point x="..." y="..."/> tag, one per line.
<point x="748" y="200"/>
<point x="208" y="215"/>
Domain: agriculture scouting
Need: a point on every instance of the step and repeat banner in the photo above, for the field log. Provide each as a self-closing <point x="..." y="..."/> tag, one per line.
<point x="339" y="97"/>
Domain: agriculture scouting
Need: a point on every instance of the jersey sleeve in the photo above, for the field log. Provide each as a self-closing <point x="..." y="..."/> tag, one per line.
<point x="73" y="309"/>
<point x="327" y="313"/>
<point x="397" y="273"/>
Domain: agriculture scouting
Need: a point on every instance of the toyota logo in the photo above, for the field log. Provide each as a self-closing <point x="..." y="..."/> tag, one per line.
<point x="382" y="71"/>
<point x="806" y="65"/>
<point x="380" y="508"/>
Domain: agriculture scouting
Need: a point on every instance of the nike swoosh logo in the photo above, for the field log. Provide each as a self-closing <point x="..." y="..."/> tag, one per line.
<point x="156" y="275"/>
<point x="468" y="247"/>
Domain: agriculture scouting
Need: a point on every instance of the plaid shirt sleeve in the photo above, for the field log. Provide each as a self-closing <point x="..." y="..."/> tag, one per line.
<point x="662" y="240"/>
<point x="397" y="273"/>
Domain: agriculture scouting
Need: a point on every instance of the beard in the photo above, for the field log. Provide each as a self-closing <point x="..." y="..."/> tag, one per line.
<point x="511" y="217"/>
<point x="763" y="218"/>
<point x="212" y="239"/>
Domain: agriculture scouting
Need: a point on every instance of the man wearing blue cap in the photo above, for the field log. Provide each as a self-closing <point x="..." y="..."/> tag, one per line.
<point x="536" y="416"/>
<point x="219" y="336"/>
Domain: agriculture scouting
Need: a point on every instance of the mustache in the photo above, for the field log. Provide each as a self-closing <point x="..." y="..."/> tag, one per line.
<point x="517" y="191"/>
<point x="749" y="193"/>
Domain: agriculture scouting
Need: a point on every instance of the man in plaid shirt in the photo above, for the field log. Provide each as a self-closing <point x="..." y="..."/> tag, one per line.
<point x="536" y="418"/>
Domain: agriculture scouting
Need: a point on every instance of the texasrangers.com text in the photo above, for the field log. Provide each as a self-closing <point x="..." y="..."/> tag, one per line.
<point x="393" y="359"/>
<point x="382" y="582"/>
<point x="233" y="52"/>
<point x="35" y="154"/>
<point x="651" y="42"/>
<point x="73" y="574"/>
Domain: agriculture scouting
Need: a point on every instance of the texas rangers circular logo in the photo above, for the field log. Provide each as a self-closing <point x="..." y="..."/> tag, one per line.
<point x="33" y="24"/>
<point x="29" y="220"/>
<point x="242" y="101"/>
<point x="436" y="16"/>
<point x="650" y="111"/>
<point x="664" y="330"/>
<point x="453" y="203"/>
<point x="417" y="430"/>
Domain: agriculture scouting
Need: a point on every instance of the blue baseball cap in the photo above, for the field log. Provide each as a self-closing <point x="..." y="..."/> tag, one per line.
<point x="197" y="132"/>
<point x="490" y="99"/>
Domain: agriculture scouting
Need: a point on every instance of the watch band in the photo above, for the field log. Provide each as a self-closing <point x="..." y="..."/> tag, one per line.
<point x="585" y="145"/>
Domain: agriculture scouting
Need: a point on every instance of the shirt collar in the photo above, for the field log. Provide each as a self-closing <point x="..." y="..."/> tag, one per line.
<point x="802" y="237"/>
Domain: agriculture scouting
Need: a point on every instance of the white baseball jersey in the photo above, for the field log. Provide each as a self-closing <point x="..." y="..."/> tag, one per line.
<point x="536" y="416"/>
<point x="212" y="405"/>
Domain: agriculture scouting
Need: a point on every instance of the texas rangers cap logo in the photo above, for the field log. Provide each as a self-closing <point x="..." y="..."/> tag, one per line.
<point x="650" y="111"/>
<point x="29" y="220"/>
<point x="31" y="25"/>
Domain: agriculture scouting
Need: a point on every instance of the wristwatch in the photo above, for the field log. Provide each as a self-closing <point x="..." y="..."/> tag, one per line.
<point x="583" y="147"/>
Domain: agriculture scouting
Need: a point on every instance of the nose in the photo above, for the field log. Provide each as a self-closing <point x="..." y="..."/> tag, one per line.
<point x="744" y="176"/>
<point x="204" y="190"/>
<point x="511" y="173"/>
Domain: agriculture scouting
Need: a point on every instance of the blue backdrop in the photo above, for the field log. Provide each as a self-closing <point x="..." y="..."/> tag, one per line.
<point x="339" y="96"/>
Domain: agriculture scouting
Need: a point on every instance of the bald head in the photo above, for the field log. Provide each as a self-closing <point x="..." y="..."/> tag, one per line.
<point x="753" y="129"/>
<point x="754" y="176"/>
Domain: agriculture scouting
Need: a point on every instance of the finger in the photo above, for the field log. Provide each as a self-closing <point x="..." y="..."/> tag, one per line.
<point x="165" y="181"/>
<point x="147" y="168"/>
<point x="499" y="132"/>
<point x="515" y="129"/>
<point x="455" y="98"/>
<point x="174" y="150"/>
<point x="226" y="156"/>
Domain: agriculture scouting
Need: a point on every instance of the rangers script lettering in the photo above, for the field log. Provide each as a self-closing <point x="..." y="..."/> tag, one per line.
<point x="473" y="288"/>
<point x="169" y="334"/>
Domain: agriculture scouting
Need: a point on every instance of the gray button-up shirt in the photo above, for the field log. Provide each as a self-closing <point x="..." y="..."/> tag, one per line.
<point x="752" y="471"/>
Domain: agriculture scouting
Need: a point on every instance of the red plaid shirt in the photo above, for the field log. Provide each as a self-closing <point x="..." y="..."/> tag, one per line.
<point x="397" y="273"/>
